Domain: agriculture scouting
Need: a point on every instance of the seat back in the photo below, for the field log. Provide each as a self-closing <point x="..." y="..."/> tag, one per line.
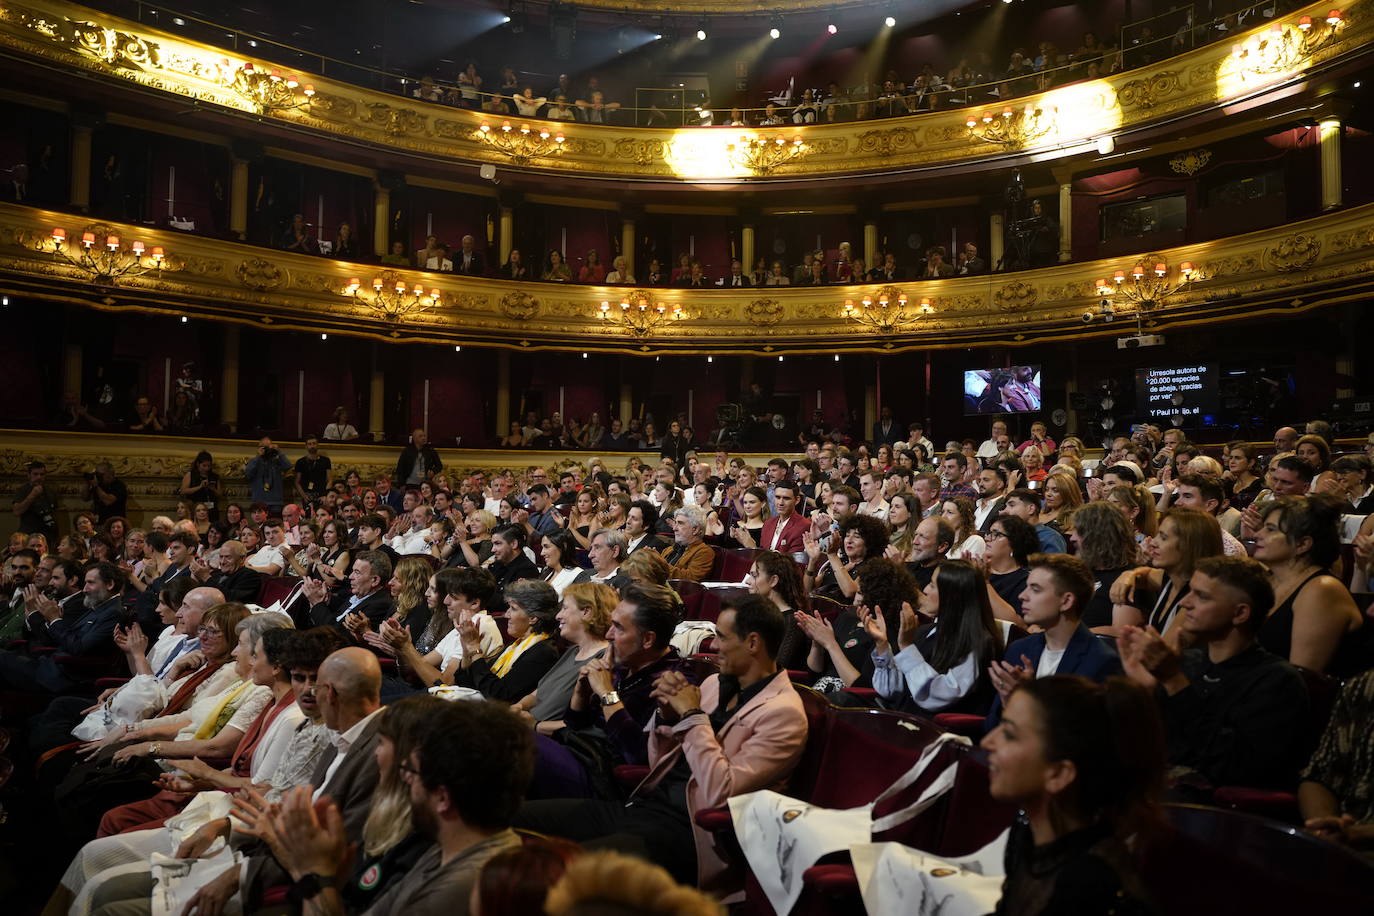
<point x="1208" y="861"/>
<point x="808" y="770"/>
<point x="693" y="596"/>
<point x="828" y="608"/>
<point x="735" y="563"/>
<point x="971" y="818"/>
<point x="1322" y="691"/>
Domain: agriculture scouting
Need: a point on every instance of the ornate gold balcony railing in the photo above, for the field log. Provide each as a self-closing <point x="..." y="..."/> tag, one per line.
<point x="1300" y="266"/>
<point x="1077" y="116"/>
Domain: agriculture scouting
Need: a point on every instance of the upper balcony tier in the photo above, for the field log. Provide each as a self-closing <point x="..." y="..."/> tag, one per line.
<point x="1244" y="78"/>
<point x="1303" y="265"/>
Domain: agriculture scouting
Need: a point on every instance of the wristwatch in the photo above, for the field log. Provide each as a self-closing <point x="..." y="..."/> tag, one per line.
<point x="610" y="698"/>
<point x="308" y="886"/>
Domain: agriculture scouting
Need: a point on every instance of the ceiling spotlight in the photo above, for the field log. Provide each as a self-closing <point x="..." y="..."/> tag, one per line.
<point x="889" y="22"/>
<point x="701" y="34"/>
<point x="458" y="349"/>
<point x="1357" y="84"/>
<point x="658" y="36"/>
<point x="832" y="28"/>
<point x="324" y="337"/>
<point x="178" y="21"/>
<point x="505" y="19"/>
<point x="184" y="319"/>
<point x="774" y="32"/>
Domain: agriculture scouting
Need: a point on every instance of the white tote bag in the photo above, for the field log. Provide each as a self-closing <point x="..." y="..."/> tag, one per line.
<point x="896" y="880"/>
<point x="136" y="700"/>
<point x="782" y="837"/>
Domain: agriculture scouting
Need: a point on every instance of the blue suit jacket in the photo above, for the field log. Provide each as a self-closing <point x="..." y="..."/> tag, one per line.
<point x="1085" y="655"/>
<point x="90" y="634"/>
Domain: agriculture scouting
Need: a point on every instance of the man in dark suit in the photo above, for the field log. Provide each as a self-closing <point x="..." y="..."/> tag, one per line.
<point x="970" y="264"/>
<point x="736" y="278"/>
<point x="419" y="461"/>
<point x="640" y="523"/>
<point x="991" y="484"/>
<point x="784" y="531"/>
<point x="181" y="548"/>
<point x="606" y="553"/>
<point x="1057" y="590"/>
<point x="509" y="563"/>
<point x="234" y="579"/>
<point x="887" y="431"/>
<point x="468" y="261"/>
<point x="85" y="634"/>
<point x="368" y="597"/>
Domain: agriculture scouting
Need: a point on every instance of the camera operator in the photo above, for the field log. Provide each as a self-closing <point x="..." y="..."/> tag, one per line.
<point x="108" y="495"/>
<point x="266" y="476"/>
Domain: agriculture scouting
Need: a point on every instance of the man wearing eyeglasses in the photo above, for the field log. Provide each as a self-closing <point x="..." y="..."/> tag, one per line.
<point x="369" y="597"/>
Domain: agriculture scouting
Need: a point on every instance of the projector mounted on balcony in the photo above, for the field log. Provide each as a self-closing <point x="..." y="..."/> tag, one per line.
<point x="1137" y="341"/>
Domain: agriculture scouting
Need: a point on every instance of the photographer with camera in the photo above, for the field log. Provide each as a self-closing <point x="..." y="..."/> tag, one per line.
<point x="266" y="476"/>
<point x="108" y="495"/>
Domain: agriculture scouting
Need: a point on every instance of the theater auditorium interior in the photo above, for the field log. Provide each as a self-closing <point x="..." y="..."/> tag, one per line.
<point x="617" y="457"/>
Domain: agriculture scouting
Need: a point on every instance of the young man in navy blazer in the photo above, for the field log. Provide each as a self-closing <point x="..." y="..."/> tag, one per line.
<point x="1057" y="590"/>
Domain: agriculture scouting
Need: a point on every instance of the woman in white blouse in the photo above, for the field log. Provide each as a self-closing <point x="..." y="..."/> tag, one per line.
<point x="339" y="429"/>
<point x="968" y="543"/>
<point x="293" y="738"/>
<point x="943" y="666"/>
<point x="559" y="552"/>
<point x="618" y="272"/>
<point x="528" y="104"/>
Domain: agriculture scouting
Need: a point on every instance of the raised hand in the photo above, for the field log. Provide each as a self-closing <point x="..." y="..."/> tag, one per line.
<point x="910" y="624"/>
<point x="876" y="628"/>
<point x="1005" y="676"/>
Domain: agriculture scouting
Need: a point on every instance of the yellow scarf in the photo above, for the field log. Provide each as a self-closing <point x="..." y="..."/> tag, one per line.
<point x="513" y="651"/>
<point x="222" y="713"/>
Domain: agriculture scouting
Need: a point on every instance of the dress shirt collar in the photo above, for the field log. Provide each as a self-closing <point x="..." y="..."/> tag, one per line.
<point x="342" y="743"/>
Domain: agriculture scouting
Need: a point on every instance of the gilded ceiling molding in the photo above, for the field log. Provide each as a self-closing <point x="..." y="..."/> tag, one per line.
<point x="1309" y="263"/>
<point x="1070" y="119"/>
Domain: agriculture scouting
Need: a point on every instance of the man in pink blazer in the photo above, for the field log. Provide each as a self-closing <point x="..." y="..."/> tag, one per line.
<point x="783" y="532"/>
<point x="742" y="730"/>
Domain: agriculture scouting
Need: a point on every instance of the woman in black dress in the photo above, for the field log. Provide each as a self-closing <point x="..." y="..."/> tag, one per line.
<point x="1085" y="764"/>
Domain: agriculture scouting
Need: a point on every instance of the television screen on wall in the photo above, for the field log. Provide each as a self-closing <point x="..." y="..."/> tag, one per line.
<point x="1013" y="389"/>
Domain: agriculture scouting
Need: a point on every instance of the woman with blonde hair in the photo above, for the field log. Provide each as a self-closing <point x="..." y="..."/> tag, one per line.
<point x="475" y="549"/>
<point x="646" y="567"/>
<point x="584" y="616"/>
<point x="1034" y="462"/>
<point x="391" y="844"/>
<point x="408" y="585"/>
<point x="1137" y="503"/>
<point x="1062" y="497"/>
<point x="614" y="882"/>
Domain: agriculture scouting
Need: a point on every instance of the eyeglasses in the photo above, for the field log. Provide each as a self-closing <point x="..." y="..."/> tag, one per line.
<point x="208" y="631"/>
<point x="407" y="769"/>
<point x="993" y="535"/>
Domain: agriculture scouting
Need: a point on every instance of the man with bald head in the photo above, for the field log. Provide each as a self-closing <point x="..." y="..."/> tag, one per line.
<point x="348" y="690"/>
<point x="234" y="577"/>
<point x="1285" y="440"/>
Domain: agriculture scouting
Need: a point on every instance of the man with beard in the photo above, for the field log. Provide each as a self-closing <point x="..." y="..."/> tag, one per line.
<point x="466" y="777"/>
<point x="85" y="634"/>
<point x="57" y="582"/>
<point x="689" y="557"/>
<point x="932" y="539"/>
